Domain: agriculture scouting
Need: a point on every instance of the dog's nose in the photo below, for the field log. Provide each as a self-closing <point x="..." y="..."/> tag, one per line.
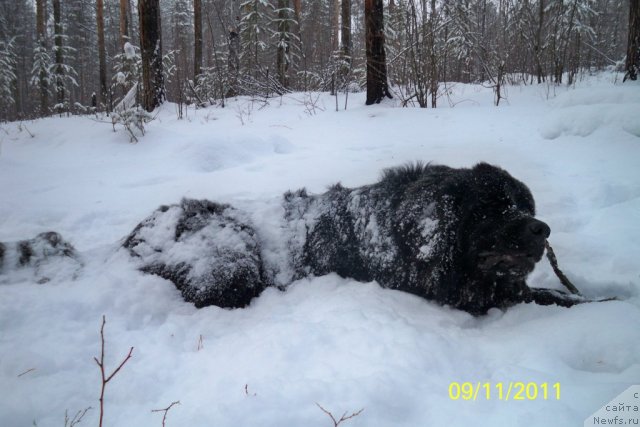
<point x="539" y="228"/>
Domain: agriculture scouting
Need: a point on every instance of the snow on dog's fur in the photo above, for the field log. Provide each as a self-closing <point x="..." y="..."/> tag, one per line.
<point x="466" y="238"/>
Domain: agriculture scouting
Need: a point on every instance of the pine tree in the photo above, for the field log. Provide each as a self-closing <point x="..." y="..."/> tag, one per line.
<point x="233" y="61"/>
<point x="197" y="36"/>
<point x="395" y="35"/>
<point x="127" y="68"/>
<point x="124" y="22"/>
<point x="377" y="85"/>
<point x="153" y="90"/>
<point x="81" y="31"/>
<point x="102" y="55"/>
<point x="254" y="33"/>
<point x="182" y="27"/>
<point x="632" y="65"/>
<point x="63" y="75"/>
<point x="41" y="75"/>
<point x="287" y="41"/>
<point x="568" y="20"/>
<point x="345" y="30"/>
<point x="41" y="61"/>
<point x="7" y="77"/>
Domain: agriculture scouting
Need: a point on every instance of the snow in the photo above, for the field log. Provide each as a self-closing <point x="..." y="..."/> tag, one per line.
<point x="129" y="50"/>
<point x="343" y="344"/>
<point x="428" y="231"/>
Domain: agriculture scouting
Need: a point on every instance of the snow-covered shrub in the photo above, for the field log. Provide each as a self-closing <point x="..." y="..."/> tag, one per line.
<point x="132" y="118"/>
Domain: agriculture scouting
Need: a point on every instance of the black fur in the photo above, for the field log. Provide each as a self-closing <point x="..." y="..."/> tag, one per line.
<point x="462" y="237"/>
<point x="205" y="249"/>
<point x="466" y="238"/>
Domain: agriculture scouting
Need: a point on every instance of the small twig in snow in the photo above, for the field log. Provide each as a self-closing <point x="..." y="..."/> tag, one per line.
<point x="554" y="264"/>
<point x="77" y="418"/>
<point x="200" y="343"/>
<point x="246" y="390"/>
<point x="344" y="416"/>
<point x="166" y="411"/>
<point x="22" y="125"/>
<point x="26" y="372"/>
<point x="105" y="378"/>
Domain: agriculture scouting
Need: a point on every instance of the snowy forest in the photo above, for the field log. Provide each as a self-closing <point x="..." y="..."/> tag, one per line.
<point x="78" y="56"/>
<point x="284" y="213"/>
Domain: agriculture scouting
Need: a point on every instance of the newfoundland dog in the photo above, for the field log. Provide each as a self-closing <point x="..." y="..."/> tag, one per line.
<point x="466" y="238"/>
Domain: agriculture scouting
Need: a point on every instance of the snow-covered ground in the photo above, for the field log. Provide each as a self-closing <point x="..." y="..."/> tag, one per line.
<point x="326" y="340"/>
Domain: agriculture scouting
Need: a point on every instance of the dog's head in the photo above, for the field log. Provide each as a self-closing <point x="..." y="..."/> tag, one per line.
<point x="499" y="237"/>
<point x="467" y="237"/>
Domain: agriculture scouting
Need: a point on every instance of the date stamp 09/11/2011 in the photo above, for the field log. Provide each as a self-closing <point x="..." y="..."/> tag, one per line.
<point x="624" y="409"/>
<point x="507" y="391"/>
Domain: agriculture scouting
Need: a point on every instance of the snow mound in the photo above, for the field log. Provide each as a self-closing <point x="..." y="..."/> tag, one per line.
<point x="584" y="111"/>
<point x="205" y="155"/>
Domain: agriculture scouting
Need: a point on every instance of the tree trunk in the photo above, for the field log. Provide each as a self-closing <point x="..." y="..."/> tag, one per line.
<point x="124" y="22"/>
<point x="197" y="29"/>
<point x="233" y="61"/>
<point x="41" y="30"/>
<point x="104" y="90"/>
<point x="377" y="86"/>
<point x="633" y="45"/>
<point x="346" y="30"/>
<point x="538" y="44"/>
<point x="335" y="27"/>
<point x="153" y="92"/>
<point x="433" y="59"/>
<point x="297" y="12"/>
<point x="59" y="73"/>
<point x="297" y="9"/>
<point x="566" y="41"/>
<point x="282" y="57"/>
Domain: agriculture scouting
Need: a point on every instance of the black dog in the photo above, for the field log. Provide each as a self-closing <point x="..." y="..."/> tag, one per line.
<point x="466" y="238"/>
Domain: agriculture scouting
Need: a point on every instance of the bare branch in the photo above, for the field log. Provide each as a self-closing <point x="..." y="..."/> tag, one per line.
<point x="100" y="364"/>
<point x="22" y="125"/>
<point x="77" y="418"/>
<point x="166" y="411"/>
<point x="26" y="372"/>
<point x="343" y="418"/>
<point x="121" y="365"/>
<point x="554" y="264"/>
